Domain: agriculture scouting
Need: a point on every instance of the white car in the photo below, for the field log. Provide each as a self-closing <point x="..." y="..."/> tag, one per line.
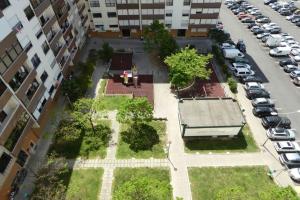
<point x="290" y="17"/>
<point x="239" y="65"/>
<point x="253" y="85"/>
<point x="295" y="174"/>
<point x="286" y="147"/>
<point x="259" y="36"/>
<point x="227" y="46"/>
<point x="281" y="134"/>
<point x="243" y="72"/>
<point x="272" y="24"/>
<point x="295" y="55"/>
<point x="254" y="28"/>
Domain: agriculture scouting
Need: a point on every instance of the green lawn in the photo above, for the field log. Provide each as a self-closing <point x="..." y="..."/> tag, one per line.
<point x="244" y="142"/>
<point x="84" y="184"/>
<point x="124" y="152"/>
<point x="113" y="102"/>
<point x="207" y="182"/>
<point x="75" y="149"/>
<point x="122" y="175"/>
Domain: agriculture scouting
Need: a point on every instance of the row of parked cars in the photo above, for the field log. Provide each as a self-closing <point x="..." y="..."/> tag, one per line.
<point x="287" y="9"/>
<point x="278" y="128"/>
<point x="281" y="44"/>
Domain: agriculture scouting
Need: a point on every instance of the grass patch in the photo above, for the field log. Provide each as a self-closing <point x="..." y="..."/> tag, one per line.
<point x="84" y="184"/>
<point x="244" y="142"/>
<point x="122" y="175"/>
<point x="113" y="102"/>
<point x="207" y="182"/>
<point x="124" y="152"/>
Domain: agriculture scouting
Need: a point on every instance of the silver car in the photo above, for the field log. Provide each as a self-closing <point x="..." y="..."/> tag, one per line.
<point x="286" y="147"/>
<point x="281" y="134"/>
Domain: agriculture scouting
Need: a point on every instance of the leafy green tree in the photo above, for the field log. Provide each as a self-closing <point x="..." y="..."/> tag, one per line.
<point x="140" y="137"/>
<point x="279" y="193"/>
<point x="68" y="130"/>
<point x="218" y="35"/>
<point x="231" y="193"/>
<point x="144" y="188"/>
<point x="135" y="110"/>
<point x="71" y="89"/>
<point x="92" y="56"/>
<point x="106" y="52"/>
<point x="157" y="37"/>
<point x="186" y="65"/>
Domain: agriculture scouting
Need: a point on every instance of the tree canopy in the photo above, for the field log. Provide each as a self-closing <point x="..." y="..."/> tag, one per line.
<point x="157" y="37"/>
<point x="135" y="110"/>
<point x="106" y="52"/>
<point x="186" y="65"/>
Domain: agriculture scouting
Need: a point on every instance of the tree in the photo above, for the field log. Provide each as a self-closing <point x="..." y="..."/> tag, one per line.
<point x="106" y="52"/>
<point x="71" y="89"/>
<point x="68" y="130"/>
<point x="187" y="65"/>
<point x="48" y="182"/>
<point x="142" y="188"/>
<point x="278" y="193"/>
<point x="231" y="193"/>
<point x="83" y="110"/>
<point x="135" y="110"/>
<point x="157" y="37"/>
<point x="140" y="137"/>
<point x="219" y="35"/>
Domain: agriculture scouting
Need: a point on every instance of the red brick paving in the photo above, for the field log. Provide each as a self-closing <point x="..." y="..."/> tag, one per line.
<point x="204" y="88"/>
<point x="145" y="87"/>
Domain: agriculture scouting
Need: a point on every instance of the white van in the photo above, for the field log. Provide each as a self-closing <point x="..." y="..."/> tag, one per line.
<point x="274" y="40"/>
<point x="243" y="72"/>
<point x="232" y="53"/>
<point x="280" y="51"/>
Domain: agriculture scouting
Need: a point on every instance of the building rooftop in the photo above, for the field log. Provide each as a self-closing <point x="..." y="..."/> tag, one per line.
<point x="210" y="112"/>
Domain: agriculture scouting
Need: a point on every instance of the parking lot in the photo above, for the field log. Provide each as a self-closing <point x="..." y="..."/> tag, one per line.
<point x="285" y="94"/>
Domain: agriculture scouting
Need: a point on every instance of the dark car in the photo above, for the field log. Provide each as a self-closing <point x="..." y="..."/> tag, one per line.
<point x="251" y="25"/>
<point x="251" y="79"/>
<point x="257" y="93"/>
<point x="241" y="46"/>
<point x="259" y="17"/>
<point x="247" y="20"/>
<point x="275" y="30"/>
<point x="276" y="121"/>
<point x="298" y="24"/>
<point x="295" y="20"/>
<point x="267" y="2"/>
<point x="264" y="111"/>
<point x="258" y="31"/>
<point x="288" y="61"/>
<point x="262" y="102"/>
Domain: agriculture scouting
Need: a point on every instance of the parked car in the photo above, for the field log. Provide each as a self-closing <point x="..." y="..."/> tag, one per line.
<point x="243" y="72"/>
<point x="276" y="121"/>
<point x="264" y="111"/>
<point x="290" y="68"/>
<point x="232" y="53"/>
<point x="274" y="30"/>
<point x="247" y="20"/>
<point x="295" y="73"/>
<point x="240" y="60"/>
<point x="294" y="174"/>
<point x="258" y="93"/>
<point x="240" y="45"/>
<point x="239" y="65"/>
<point x="296" y="81"/>
<point x="290" y="160"/>
<point x="261" y="35"/>
<point x="251" y="79"/>
<point x="280" y="51"/>
<point x="262" y="102"/>
<point x="253" y="85"/>
<point x="250" y="25"/>
<point x="263" y="20"/>
<point x="267" y="2"/>
<point x="286" y="147"/>
<point x="280" y="133"/>
<point x="258" y="31"/>
<point x="287" y="62"/>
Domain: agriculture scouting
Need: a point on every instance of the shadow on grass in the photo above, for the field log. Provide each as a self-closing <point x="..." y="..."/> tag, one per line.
<point x="241" y="143"/>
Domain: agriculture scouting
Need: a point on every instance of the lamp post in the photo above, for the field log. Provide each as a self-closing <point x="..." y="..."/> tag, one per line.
<point x="167" y="151"/>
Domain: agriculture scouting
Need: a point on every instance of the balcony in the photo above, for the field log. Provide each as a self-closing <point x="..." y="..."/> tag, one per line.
<point x="47" y="25"/>
<point x="205" y="5"/>
<point x="60" y="52"/>
<point x="205" y="16"/>
<point x="62" y="16"/>
<point x="153" y="6"/>
<point x="85" y="18"/>
<point x="4" y="98"/>
<point x="66" y="28"/>
<point x="25" y="85"/>
<point x="82" y="8"/>
<point x="40" y="6"/>
<point x="36" y="98"/>
<point x="71" y="44"/>
<point x="54" y="40"/>
<point x="128" y="6"/>
<point x="15" y="66"/>
<point x="65" y="66"/>
<point x="31" y="91"/>
<point x="18" y="79"/>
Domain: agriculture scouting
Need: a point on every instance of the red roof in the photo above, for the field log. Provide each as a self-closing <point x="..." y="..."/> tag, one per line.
<point x="121" y="61"/>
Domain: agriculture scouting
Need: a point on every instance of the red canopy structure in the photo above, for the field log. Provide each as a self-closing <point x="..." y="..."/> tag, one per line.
<point x="121" y="61"/>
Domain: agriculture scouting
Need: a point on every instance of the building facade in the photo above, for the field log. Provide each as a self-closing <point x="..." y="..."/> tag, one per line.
<point x="127" y="18"/>
<point x="38" y="40"/>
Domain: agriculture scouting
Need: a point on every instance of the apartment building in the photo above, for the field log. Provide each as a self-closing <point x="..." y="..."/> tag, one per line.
<point x="127" y="18"/>
<point x="38" y="40"/>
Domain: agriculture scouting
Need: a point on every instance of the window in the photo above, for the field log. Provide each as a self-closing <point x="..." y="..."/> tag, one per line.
<point x="3" y="115"/>
<point x="94" y="3"/>
<point x="185" y="13"/>
<point x="169" y="2"/>
<point x="51" y="89"/>
<point x="2" y="87"/>
<point x="100" y="27"/>
<point x="10" y="56"/>
<point x="97" y="15"/>
<point x="4" y="161"/>
<point x="111" y="14"/>
<point x="110" y="3"/>
<point x="113" y="26"/>
<point x="44" y="76"/>
<point x="42" y="105"/>
<point x="38" y="34"/>
<point x="29" y="13"/>
<point x="45" y="47"/>
<point x="186" y="2"/>
<point x="169" y="14"/>
<point x="22" y="157"/>
<point x="35" y="60"/>
<point x="4" y="4"/>
<point x="12" y="53"/>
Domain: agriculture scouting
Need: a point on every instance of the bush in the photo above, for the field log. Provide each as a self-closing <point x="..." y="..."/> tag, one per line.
<point x="218" y="35"/>
<point x="140" y="137"/>
<point x="232" y="84"/>
<point x="68" y="131"/>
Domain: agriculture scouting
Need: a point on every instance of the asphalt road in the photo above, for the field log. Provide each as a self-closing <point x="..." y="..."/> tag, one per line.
<point x="285" y="94"/>
<point x="285" y="25"/>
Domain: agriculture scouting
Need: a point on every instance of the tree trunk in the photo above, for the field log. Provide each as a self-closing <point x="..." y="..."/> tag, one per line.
<point x="92" y="125"/>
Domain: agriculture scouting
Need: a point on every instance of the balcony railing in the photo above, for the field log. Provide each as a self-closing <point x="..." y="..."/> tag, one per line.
<point x="18" y="79"/>
<point x="33" y="88"/>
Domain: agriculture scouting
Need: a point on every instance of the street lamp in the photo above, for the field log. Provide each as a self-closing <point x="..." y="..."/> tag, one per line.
<point x="167" y="151"/>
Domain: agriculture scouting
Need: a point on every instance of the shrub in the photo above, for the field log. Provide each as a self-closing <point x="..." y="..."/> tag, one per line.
<point x="140" y="137"/>
<point x="232" y="84"/>
<point x="218" y="35"/>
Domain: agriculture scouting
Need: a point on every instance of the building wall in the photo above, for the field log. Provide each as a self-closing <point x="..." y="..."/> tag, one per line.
<point x="213" y="131"/>
<point x="23" y="116"/>
<point x="190" y="18"/>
